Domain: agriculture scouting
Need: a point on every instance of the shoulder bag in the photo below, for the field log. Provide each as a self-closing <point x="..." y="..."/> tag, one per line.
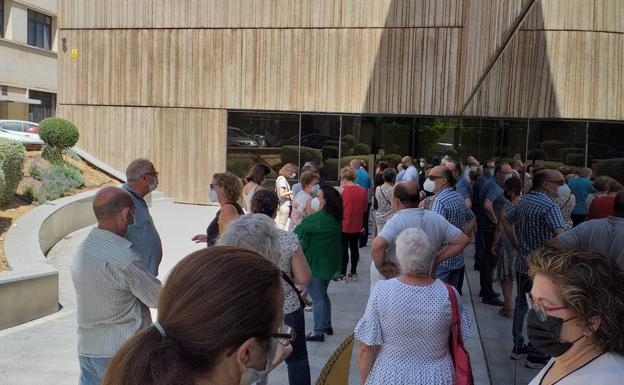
<point x="461" y="360"/>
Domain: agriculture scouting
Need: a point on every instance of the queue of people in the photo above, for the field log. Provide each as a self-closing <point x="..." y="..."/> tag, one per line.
<point x="291" y="242"/>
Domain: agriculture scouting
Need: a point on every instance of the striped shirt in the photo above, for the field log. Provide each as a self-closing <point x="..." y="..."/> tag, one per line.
<point x="113" y="292"/>
<point x="450" y="204"/>
<point x="535" y="217"/>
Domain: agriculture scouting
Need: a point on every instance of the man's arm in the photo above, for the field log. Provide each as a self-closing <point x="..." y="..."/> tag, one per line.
<point x="469" y="227"/>
<point x="453" y="248"/>
<point x="488" y="206"/>
<point x="378" y="252"/>
<point x="142" y="284"/>
<point x="468" y="202"/>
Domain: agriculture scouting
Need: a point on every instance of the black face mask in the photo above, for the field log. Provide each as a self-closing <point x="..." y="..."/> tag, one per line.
<point x="544" y="335"/>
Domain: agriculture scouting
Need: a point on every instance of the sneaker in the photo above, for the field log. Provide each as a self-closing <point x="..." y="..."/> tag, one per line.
<point x="519" y="352"/>
<point x="353" y="277"/>
<point x="315" y="337"/>
<point x="329" y="331"/>
<point x="341" y="279"/>
<point x="535" y="362"/>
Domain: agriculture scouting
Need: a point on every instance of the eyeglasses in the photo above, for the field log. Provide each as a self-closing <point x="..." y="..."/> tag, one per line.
<point x="285" y="335"/>
<point x="212" y="186"/>
<point x="539" y="309"/>
<point x="434" y="177"/>
<point x="152" y="173"/>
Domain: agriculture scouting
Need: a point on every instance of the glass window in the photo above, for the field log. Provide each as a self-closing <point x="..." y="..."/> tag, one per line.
<point x="318" y="134"/>
<point x="255" y="137"/>
<point x="395" y="136"/>
<point x="47" y="108"/>
<point x="605" y="149"/>
<point x="435" y="137"/>
<point x="12" y="126"/>
<point x="2" y="18"/>
<point x="358" y="139"/>
<point x="39" y="30"/>
<point x="557" y="144"/>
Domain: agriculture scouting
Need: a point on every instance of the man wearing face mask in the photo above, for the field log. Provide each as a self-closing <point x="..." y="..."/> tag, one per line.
<point x="535" y="220"/>
<point x="450" y="204"/>
<point x="142" y="180"/>
<point x="113" y="286"/>
<point x="492" y="196"/>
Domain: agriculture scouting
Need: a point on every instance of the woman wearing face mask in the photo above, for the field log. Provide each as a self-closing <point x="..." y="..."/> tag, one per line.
<point x="226" y="189"/>
<point x="566" y="202"/>
<point x="320" y="238"/>
<point x="577" y="317"/>
<point x="255" y="179"/>
<point x="302" y="204"/>
<point x="284" y="192"/>
<point x="208" y="332"/>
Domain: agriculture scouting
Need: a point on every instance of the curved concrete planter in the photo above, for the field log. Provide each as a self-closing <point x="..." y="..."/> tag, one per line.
<point x="30" y="290"/>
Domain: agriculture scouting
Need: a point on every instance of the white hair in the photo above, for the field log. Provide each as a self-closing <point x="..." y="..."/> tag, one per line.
<point x="415" y="252"/>
<point x="255" y="232"/>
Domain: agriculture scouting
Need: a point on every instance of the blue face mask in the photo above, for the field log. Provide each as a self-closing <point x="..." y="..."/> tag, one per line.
<point x="315" y="189"/>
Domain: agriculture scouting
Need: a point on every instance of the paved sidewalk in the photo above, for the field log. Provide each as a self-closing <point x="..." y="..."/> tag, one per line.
<point x="43" y="351"/>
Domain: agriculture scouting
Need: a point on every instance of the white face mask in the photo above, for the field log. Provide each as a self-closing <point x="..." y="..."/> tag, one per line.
<point x="252" y="376"/>
<point x="563" y="191"/>
<point x="213" y="196"/>
<point x="429" y="185"/>
<point x="154" y="185"/>
<point x="315" y="204"/>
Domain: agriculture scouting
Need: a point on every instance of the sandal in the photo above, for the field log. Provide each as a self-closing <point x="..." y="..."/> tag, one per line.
<point x="506" y="312"/>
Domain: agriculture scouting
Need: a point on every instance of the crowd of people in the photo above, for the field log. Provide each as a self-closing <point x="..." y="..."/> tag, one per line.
<point x="230" y="313"/>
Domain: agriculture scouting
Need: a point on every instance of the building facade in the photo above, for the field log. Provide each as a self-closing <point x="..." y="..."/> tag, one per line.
<point x="28" y="59"/>
<point x="201" y="86"/>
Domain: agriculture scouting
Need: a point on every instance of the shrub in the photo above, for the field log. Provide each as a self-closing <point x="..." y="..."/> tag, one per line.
<point x="34" y="171"/>
<point x="12" y="156"/>
<point x="33" y="195"/>
<point x="58" y="135"/>
<point x="452" y="153"/>
<point x="361" y="149"/>
<point x="611" y="167"/>
<point x="350" y="141"/>
<point x="551" y="148"/>
<point x="344" y="161"/>
<point x="330" y="152"/>
<point x="575" y="159"/>
<point x="239" y="166"/>
<point x="392" y="159"/>
<point x="564" y="151"/>
<point x="290" y="154"/>
<point x="330" y="169"/>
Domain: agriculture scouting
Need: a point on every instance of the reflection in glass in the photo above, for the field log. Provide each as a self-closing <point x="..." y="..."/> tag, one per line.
<point x="320" y="140"/>
<point x="557" y="144"/>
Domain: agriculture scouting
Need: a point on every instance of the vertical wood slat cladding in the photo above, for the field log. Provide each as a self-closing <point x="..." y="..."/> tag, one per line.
<point x="486" y="25"/>
<point x="186" y="145"/>
<point x="554" y="74"/>
<point x="87" y="14"/>
<point x="578" y="15"/>
<point x="402" y="70"/>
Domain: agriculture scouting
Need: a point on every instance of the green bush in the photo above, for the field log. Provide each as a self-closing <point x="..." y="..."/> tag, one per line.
<point x="330" y="169"/>
<point x="350" y="141"/>
<point x="33" y="195"/>
<point x="58" y="135"/>
<point x="330" y="152"/>
<point x="564" y="151"/>
<point x="452" y="153"/>
<point x="34" y="171"/>
<point x="290" y="154"/>
<point x="12" y="156"/>
<point x="551" y="148"/>
<point x="611" y="167"/>
<point x="239" y="166"/>
<point x="361" y="149"/>
<point x="344" y="161"/>
<point x="392" y="159"/>
<point x="575" y="159"/>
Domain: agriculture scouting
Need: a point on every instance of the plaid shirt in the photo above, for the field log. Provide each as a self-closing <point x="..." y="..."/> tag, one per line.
<point x="450" y="204"/>
<point x="535" y="218"/>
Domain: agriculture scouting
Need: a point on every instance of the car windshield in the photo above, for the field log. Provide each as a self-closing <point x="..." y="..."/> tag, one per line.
<point x="11" y="126"/>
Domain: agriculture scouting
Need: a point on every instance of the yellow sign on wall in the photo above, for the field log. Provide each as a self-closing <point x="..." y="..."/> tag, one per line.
<point x="74" y="53"/>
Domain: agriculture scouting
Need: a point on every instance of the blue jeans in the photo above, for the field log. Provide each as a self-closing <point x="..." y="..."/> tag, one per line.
<point x="525" y="284"/>
<point x="453" y="277"/>
<point x="321" y="308"/>
<point x="297" y="362"/>
<point x="92" y="369"/>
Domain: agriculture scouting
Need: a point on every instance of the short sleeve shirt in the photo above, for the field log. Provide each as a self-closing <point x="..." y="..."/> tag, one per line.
<point x="463" y="187"/>
<point x="450" y="204"/>
<point x="535" y="218"/>
<point x="603" y="235"/>
<point x="495" y="193"/>
<point x="411" y="174"/>
<point x="289" y="244"/>
<point x="439" y="230"/>
<point x="282" y="184"/>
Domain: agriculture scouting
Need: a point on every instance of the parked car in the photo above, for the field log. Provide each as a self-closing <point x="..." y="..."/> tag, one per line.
<point x="239" y="138"/>
<point x="21" y="131"/>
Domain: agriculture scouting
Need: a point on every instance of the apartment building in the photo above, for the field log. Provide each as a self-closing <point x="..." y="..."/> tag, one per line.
<point x="28" y="59"/>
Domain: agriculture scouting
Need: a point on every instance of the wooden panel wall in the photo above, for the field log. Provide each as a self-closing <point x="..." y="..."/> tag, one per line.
<point x="396" y="70"/>
<point x="258" y="13"/>
<point x="578" y="15"/>
<point x="186" y="145"/>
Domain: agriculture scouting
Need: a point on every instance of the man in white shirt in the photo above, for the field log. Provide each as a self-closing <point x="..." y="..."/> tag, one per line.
<point x="411" y="173"/>
<point x="113" y="286"/>
<point x="447" y="239"/>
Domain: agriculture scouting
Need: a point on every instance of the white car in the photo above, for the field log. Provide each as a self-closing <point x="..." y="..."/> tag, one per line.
<point x="20" y="131"/>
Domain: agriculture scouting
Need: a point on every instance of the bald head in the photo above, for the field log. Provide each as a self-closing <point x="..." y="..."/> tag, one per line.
<point x="355" y="163"/>
<point x="407" y="161"/>
<point x="109" y="202"/>
<point x="443" y="172"/>
<point x="585" y="172"/>
<point x="407" y="193"/>
<point x="548" y="180"/>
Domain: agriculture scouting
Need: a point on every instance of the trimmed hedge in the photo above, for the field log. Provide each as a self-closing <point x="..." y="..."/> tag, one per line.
<point x="12" y="156"/>
<point x="330" y="152"/>
<point x="290" y="154"/>
<point x="551" y="148"/>
<point x="392" y="159"/>
<point x="612" y="167"/>
<point x="564" y="151"/>
<point x="361" y="149"/>
<point x="350" y="140"/>
<point x="575" y="159"/>
<point x="57" y="134"/>
<point x="330" y="169"/>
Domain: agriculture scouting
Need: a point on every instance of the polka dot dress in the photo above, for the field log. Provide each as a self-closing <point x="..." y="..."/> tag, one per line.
<point x="412" y="324"/>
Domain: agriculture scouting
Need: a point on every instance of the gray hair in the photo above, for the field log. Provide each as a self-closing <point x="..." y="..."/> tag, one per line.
<point x="255" y="232"/>
<point x="415" y="252"/>
<point x="137" y="168"/>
